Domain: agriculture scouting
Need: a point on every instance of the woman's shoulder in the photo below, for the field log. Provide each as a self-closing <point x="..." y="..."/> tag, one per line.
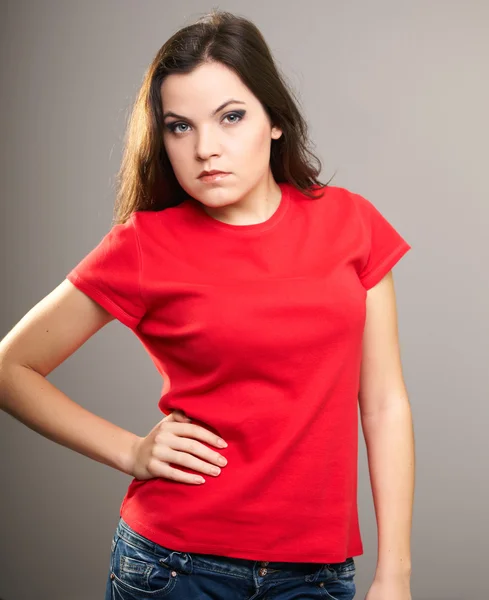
<point x="148" y="218"/>
<point x="333" y="199"/>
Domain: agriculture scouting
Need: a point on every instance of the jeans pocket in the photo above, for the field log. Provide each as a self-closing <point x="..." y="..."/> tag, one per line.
<point x="138" y="573"/>
<point x="337" y="580"/>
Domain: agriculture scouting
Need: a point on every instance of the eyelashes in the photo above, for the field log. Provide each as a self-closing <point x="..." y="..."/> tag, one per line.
<point x="172" y="127"/>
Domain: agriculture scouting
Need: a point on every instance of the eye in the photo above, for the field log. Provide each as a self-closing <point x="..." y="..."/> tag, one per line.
<point x="239" y="113"/>
<point x="172" y="127"/>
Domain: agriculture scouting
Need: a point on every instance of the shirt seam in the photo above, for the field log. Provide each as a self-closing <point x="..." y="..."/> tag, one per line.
<point x="97" y="293"/>
<point x="140" y="263"/>
<point x="399" y="251"/>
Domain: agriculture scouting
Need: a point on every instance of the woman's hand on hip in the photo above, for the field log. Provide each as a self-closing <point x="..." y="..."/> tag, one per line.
<point x="175" y="440"/>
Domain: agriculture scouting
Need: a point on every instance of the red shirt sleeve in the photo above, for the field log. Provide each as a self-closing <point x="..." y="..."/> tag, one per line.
<point x="110" y="274"/>
<point x="385" y="243"/>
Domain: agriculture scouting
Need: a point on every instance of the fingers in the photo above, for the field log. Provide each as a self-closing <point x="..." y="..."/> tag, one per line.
<point x="178" y="416"/>
<point x="189" y="453"/>
<point x="179" y="442"/>
<point x="181" y="417"/>
<point x="164" y="470"/>
<point x="192" y="430"/>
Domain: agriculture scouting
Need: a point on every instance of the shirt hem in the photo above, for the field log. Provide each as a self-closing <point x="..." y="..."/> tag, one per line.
<point x="375" y="275"/>
<point x="99" y="297"/>
<point x="231" y="551"/>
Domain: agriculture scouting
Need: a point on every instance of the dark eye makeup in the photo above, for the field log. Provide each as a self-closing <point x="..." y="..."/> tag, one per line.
<point x="172" y="127"/>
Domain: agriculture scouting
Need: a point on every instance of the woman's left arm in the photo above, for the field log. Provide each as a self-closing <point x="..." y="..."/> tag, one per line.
<point x="388" y="431"/>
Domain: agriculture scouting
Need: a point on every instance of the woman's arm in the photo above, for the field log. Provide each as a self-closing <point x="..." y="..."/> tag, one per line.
<point x="388" y="431"/>
<point x="46" y="336"/>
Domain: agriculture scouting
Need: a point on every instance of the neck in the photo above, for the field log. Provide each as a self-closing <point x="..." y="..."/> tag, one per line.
<point x="256" y="207"/>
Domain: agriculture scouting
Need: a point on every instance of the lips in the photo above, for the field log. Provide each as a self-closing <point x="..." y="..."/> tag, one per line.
<point x="205" y="174"/>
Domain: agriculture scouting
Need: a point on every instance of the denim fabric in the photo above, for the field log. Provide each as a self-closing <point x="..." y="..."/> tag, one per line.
<point x="141" y="569"/>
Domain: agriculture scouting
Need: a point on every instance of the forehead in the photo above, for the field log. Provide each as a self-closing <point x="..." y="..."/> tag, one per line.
<point x="202" y="90"/>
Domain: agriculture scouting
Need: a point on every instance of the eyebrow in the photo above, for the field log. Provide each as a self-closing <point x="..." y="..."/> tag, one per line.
<point x="223" y="105"/>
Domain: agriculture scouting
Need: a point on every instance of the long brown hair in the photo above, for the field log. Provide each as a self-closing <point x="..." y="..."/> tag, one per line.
<point x="146" y="180"/>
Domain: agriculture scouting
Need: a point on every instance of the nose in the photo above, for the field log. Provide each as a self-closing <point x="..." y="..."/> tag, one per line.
<point x="207" y="144"/>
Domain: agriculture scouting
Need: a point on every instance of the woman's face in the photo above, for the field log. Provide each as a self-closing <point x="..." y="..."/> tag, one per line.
<point x="236" y="139"/>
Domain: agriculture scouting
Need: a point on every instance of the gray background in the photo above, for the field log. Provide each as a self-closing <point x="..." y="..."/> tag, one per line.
<point x="396" y="95"/>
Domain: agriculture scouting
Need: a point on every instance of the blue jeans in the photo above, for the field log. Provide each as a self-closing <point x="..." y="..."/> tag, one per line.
<point x="141" y="569"/>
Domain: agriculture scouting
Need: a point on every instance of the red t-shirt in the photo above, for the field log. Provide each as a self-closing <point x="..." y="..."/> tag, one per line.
<point x="257" y="333"/>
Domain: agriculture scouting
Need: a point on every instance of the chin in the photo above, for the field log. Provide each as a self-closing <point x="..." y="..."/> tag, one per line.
<point x="216" y="197"/>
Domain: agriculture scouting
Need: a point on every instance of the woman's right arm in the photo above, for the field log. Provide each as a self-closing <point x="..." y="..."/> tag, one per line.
<point x="46" y="336"/>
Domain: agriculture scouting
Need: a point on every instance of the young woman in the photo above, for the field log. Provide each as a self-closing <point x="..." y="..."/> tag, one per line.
<point x="266" y="301"/>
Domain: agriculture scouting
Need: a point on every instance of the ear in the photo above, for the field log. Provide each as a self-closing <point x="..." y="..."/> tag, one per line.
<point x="276" y="133"/>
